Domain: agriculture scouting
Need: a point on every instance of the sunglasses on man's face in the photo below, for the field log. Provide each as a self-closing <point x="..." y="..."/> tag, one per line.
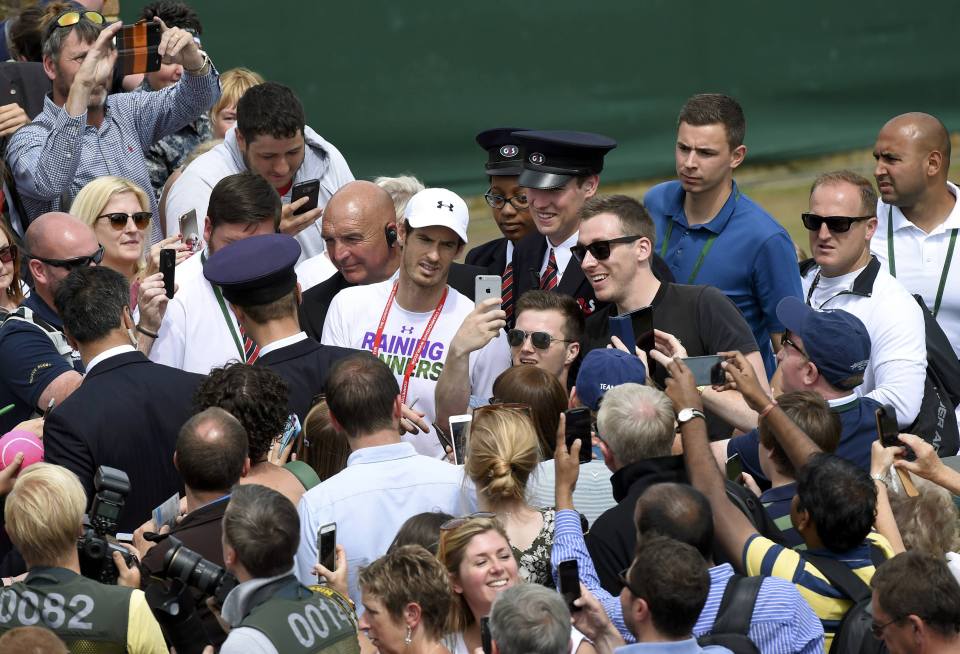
<point x="540" y="340"/>
<point x="8" y="253"/>
<point x="70" y="18"/>
<point x="77" y="262"/>
<point x="600" y="249"/>
<point x="836" y="224"/>
<point x="119" y="220"/>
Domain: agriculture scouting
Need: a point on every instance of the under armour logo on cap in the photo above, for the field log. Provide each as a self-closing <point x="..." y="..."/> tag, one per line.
<point x="441" y="205"/>
<point x="537" y="158"/>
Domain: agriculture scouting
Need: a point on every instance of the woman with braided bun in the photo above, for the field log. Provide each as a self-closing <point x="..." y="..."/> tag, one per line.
<point x="502" y="452"/>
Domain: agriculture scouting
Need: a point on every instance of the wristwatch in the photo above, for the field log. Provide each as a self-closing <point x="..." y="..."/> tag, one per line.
<point x="686" y="415"/>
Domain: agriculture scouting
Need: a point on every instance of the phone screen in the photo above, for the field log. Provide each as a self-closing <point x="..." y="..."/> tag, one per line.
<point x="578" y="428"/>
<point x="458" y="433"/>
<point x="308" y="189"/>
<point x="622" y="328"/>
<point x="706" y="370"/>
<point x="734" y="468"/>
<point x="327" y="546"/>
<point x="642" y="321"/>
<point x="190" y="230"/>
<point x="888" y="430"/>
<point x="569" y="574"/>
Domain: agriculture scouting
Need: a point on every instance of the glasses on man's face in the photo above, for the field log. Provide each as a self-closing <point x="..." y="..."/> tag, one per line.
<point x="77" y="262"/>
<point x="456" y="523"/>
<point x="119" y="219"/>
<point x="624" y="578"/>
<point x="69" y="18"/>
<point x="540" y="340"/>
<point x="600" y="249"/>
<point x="785" y="340"/>
<point x="8" y="253"/>
<point x="836" y="224"/>
<point x="877" y="629"/>
<point x="497" y="201"/>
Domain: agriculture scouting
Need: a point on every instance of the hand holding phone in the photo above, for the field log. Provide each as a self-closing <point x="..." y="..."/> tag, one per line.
<point x="308" y="189"/>
<point x="578" y="423"/>
<point x="168" y="266"/>
<point x="707" y="370"/>
<point x="734" y="467"/>
<point x="888" y="431"/>
<point x="487" y="287"/>
<point x="137" y="48"/>
<point x="327" y="546"/>
<point x="569" y="573"/>
<point x="458" y="433"/>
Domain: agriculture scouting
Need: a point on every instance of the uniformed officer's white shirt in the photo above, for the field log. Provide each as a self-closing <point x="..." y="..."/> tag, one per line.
<point x="282" y="342"/>
<point x="920" y="259"/>
<point x="898" y="347"/>
<point x="562" y="254"/>
<point x="194" y="335"/>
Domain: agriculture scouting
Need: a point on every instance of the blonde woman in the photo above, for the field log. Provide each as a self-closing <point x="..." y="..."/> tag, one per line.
<point x="233" y="84"/>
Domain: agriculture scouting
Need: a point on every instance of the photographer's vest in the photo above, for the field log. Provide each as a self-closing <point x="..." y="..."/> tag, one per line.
<point x="296" y="619"/>
<point x="88" y="616"/>
<point x="57" y="337"/>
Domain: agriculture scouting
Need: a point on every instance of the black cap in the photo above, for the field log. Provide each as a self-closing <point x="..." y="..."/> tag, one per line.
<point x="503" y="151"/>
<point x="255" y="270"/>
<point x="552" y="158"/>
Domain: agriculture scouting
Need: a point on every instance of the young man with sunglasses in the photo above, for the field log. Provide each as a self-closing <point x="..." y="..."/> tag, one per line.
<point x="82" y="132"/>
<point x="708" y="232"/>
<point x="844" y="275"/>
<point x="39" y="366"/>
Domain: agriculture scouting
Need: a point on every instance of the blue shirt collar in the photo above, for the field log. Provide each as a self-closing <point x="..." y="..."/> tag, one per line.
<point x="689" y="646"/>
<point x="674" y="210"/>
<point x="36" y="304"/>
<point x="380" y="453"/>
<point x="780" y="493"/>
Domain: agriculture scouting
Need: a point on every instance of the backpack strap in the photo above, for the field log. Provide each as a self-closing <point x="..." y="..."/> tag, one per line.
<point x="840" y="577"/>
<point x="736" y="607"/>
<point x="304" y="473"/>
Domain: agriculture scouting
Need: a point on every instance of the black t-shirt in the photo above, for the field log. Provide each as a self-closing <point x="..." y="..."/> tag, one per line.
<point x="704" y="320"/>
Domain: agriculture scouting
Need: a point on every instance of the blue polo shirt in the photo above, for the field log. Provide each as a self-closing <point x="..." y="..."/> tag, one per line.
<point x="748" y="255"/>
<point x="29" y="362"/>
<point x="858" y="430"/>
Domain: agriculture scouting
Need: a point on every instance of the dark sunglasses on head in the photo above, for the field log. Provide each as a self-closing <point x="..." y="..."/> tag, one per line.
<point x="502" y="406"/>
<point x="69" y="18"/>
<point x="600" y="249"/>
<point x="836" y="224"/>
<point x="119" y="220"/>
<point x="540" y="340"/>
<point x="455" y="523"/>
<point x="77" y="262"/>
<point x="497" y="201"/>
<point x="8" y="253"/>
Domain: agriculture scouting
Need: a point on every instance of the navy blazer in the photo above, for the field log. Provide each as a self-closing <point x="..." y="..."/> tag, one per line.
<point x="491" y="255"/>
<point x="126" y="414"/>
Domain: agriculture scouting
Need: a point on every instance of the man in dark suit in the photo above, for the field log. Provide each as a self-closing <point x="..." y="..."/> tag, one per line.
<point x="360" y="232"/>
<point x="257" y="278"/>
<point x="510" y="206"/>
<point x="128" y="410"/>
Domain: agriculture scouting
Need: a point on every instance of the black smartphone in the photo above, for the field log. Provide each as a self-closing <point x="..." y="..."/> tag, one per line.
<point x="168" y="266"/>
<point x="734" y="467"/>
<point x="578" y="428"/>
<point x="569" y="573"/>
<point x="888" y="431"/>
<point x="137" y="46"/>
<point x="327" y="546"/>
<point x="706" y="370"/>
<point x="642" y="322"/>
<point x="486" y="640"/>
<point x="622" y="328"/>
<point x="308" y="189"/>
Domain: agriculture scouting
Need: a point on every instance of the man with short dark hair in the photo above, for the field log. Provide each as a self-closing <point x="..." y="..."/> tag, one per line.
<point x="916" y="605"/>
<point x="199" y="330"/>
<point x="384" y="477"/>
<point x="710" y="233"/>
<point x="82" y="132"/>
<point x="529" y="619"/>
<point x="272" y="140"/>
<point x="128" y="410"/>
<point x="270" y="611"/>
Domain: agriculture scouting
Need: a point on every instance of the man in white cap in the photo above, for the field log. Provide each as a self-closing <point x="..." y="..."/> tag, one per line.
<point x="409" y="320"/>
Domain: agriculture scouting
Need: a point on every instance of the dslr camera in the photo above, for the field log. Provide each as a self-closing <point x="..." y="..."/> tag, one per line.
<point x="96" y="551"/>
<point x="193" y="570"/>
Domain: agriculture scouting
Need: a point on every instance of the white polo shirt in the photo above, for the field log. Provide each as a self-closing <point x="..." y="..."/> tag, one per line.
<point x="894" y="321"/>
<point x="920" y="260"/>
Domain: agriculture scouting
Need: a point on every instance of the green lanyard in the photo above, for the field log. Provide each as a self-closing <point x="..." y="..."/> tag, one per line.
<point x="946" y="264"/>
<point x="226" y="314"/>
<point x="703" y="252"/>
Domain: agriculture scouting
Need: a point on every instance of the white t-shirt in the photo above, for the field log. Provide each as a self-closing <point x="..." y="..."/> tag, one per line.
<point x="919" y="260"/>
<point x="898" y="347"/>
<point x="352" y="321"/>
<point x="314" y="270"/>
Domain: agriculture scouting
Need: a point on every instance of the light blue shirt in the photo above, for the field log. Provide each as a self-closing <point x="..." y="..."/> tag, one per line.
<point x="370" y="499"/>
<point x="676" y="647"/>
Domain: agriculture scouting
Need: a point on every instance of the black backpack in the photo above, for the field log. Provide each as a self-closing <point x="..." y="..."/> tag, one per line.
<point x="853" y="636"/>
<point x="732" y="625"/>
<point x="751" y="506"/>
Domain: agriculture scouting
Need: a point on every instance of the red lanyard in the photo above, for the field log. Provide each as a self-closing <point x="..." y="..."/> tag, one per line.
<point x="415" y="357"/>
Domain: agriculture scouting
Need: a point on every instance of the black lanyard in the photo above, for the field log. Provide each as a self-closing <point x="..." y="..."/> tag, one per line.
<point x="946" y="264"/>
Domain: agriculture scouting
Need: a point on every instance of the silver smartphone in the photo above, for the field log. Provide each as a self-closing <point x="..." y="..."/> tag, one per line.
<point x="190" y="230"/>
<point x="458" y="434"/>
<point x="487" y="286"/>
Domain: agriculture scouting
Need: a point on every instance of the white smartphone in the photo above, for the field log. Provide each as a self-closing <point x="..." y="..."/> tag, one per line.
<point x="458" y="434"/>
<point x="487" y="286"/>
<point x="190" y="230"/>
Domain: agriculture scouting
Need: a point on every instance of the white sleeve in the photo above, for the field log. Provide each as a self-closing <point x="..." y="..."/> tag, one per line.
<point x="486" y="364"/>
<point x="247" y="640"/>
<point x="170" y="346"/>
<point x="899" y="354"/>
<point x="336" y="326"/>
<point x="188" y="192"/>
<point x="307" y="552"/>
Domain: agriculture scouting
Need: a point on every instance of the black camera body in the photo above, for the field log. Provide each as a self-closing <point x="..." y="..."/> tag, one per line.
<point x="194" y="571"/>
<point x="96" y="552"/>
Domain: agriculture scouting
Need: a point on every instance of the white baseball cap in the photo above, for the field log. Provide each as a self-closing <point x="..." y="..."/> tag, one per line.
<point x="438" y="207"/>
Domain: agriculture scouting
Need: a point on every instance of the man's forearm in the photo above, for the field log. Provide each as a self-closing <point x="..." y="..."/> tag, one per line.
<point x="452" y="395"/>
<point x="730" y="407"/>
<point x="78" y="99"/>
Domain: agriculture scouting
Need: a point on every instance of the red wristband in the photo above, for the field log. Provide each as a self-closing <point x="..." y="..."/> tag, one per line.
<point x="767" y="409"/>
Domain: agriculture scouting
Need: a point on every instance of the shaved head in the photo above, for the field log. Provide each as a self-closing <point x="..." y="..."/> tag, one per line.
<point x="913" y="160"/>
<point x="360" y="200"/>
<point x="58" y="235"/>
<point x="926" y="131"/>
<point x="354" y="228"/>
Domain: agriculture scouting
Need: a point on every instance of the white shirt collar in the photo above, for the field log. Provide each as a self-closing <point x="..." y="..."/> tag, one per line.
<point x="283" y="342"/>
<point x="840" y="401"/>
<point x="106" y="354"/>
<point x="900" y="221"/>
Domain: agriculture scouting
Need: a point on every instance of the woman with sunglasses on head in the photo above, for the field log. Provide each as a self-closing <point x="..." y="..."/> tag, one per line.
<point x="11" y="288"/>
<point x="477" y="555"/>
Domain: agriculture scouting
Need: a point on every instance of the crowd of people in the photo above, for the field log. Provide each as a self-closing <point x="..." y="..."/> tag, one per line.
<point x="252" y="404"/>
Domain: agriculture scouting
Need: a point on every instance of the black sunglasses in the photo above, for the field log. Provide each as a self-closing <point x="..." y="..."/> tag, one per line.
<point x="118" y="220"/>
<point x="540" y="340"/>
<point x="72" y="264"/>
<point x="785" y="340"/>
<point x="836" y="224"/>
<point x="877" y="629"/>
<point x="497" y="201"/>
<point x="8" y="253"/>
<point x="600" y="249"/>
<point x="624" y="578"/>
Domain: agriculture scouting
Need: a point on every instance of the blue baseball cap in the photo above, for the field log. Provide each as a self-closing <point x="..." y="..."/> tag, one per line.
<point x="835" y="341"/>
<point x="604" y="368"/>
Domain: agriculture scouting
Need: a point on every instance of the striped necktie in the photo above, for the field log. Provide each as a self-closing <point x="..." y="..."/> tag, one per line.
<point x="549" y="280"/>
<point x="250" y="349"/>
<point x="506" y="291"/>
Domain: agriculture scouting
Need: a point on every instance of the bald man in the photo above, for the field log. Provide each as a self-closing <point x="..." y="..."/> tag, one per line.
<point x="38" y="368"/>
<point x="360" y="234"/>
<point x="919" y="214"/>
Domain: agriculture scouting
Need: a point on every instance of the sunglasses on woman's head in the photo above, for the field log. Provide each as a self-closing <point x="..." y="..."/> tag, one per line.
<point x="455" y="523"/>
